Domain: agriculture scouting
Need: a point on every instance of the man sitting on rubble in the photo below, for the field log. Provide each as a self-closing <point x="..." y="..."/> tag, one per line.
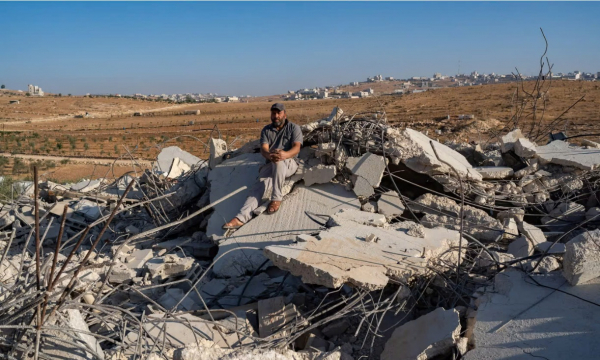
<point x="280" y="144"/>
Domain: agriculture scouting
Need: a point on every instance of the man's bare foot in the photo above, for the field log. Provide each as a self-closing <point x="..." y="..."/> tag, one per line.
<point x="274" y="206"/>
<point x="235" y="223"/>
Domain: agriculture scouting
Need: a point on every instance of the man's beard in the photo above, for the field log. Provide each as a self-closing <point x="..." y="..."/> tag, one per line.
<point x="277" y="123"/>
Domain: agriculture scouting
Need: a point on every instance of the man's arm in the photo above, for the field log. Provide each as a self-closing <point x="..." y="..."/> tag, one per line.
<point x="282" y="155"/>
<point x="264" y="151"/>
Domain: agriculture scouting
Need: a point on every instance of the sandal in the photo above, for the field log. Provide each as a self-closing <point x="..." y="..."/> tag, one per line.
<point x="235" y="223"/>
<point x="273" y="207"/>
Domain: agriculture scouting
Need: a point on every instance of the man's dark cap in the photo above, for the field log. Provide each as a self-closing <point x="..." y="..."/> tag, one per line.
<point x="278" y="106"/>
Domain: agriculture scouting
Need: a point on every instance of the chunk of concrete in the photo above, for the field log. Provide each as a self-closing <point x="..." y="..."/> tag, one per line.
<point x="282" y="227"/>
<point x="370" y="206"/>
<point x="343" y="255"/>
<point x="138" y="258"/>
<point x="120" y="273"/>
<point x="362" y="188"/>
<point x="319" y="174"/>
<point x="213" y="289"/>
<point x="442" y="211"/>
<point x="76" y="321"/>
<point x="172" y="296"/>
<point x="336" y="328"/>
<point x="557" y="248"/>
<point x="561" y="153"/>
<point x="507" y="142"/>
<point x="526" y="171"/>
<point x="581" y="262"/>
<point x="369" y="167"/>
<point x="521" y="247"/>
<point x="225" y="178"/>
<point x="532" y="232"/>
<point x="494" y="172"/>
<point x="565" y="213"/>
<point x="272" y="316"/>
<point x="166" y="156"/>
<point x="177" y="169"/>
<point x="169" y="265"/>
<point x="426" y="337"/>
<point x="517" y="319"/>
<point x="546" y="264"/>
<point x="524" y="148"/>
<point x="86" y="186"/>
<point x="390" y="204"/>
<point x="218" y="148"/>
<point x="414" y="149"/>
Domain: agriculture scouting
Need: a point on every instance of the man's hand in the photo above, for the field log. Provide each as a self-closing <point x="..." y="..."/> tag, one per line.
<point x="278" y="155"/>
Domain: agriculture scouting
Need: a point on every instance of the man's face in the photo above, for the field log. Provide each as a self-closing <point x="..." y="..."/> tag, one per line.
<point x="277" y="117"/>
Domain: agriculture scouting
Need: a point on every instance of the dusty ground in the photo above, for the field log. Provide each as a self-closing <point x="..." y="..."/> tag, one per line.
<point x="46" y="126"/>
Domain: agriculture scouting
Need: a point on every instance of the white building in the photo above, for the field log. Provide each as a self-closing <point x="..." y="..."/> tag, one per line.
<point x="35" y="90"/>
<point x="232" y="99"/>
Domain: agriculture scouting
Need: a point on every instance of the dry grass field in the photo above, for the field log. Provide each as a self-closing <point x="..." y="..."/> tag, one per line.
<point x="47" y="126"/>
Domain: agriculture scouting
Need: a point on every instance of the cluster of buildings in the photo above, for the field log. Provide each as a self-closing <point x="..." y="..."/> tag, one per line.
<point x="35" y="90"/>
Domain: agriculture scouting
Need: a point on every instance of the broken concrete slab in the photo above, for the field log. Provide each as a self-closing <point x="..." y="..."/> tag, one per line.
<point x="581" y="261"/>
<point x="390" y="205"/>
<point x="424" y="338"/>
<point x="564" y="214"/>
<point x="414" y="149"/>
<point x="561" y="153"/>
<point x="336" y="328"/>
<point x="520" y="248"/>
<point x="166" y="156"/>
<point x="273" y="314"/>
<point x="225" y="178"/>
<point x="546" y="264"/>
<point x="85" y="186"/>
<point x="524" y="148"/>
<point x="516" y="319"/>
<point x="163" y="267"/>
<point x="76" y="321"/>
<point x="369" y="166"/>
<point x="120" y="273"/>
<point x="532" y="232"/>
<point x="320" y="174"/>
<point x="177" y="169"/>
<point x="362" y="188"/>
<point x="281" y="228"/>
<point x="342" y="255"/>
<point x="218" y="148"/>
<point x="138" y="258"/>
<point x="552" y="248"/>
<point x="359" y="217"/>
<point x="442" y="211"/>
<point x="494" y="172"/>
<point x="507" y="142"/>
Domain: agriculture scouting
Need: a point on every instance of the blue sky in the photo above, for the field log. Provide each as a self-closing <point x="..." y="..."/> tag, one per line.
<point x="262" y="48"/>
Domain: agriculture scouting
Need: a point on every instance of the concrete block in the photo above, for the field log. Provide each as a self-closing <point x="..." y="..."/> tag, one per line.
<point x="426" y="337"/>
<point x="369" y="167"/>
<point x="335" y="328"/>
<point x="524" y="148"/>
<point x="581" y="262"/>
<point x="532" y="232"/>
<point x="494" y="172"/>
<point x="178" y="168"/>
<point x="507" y="142"/>
<point x="521" y="247"/>
<point x="319" y="174"/>
<point x="76" y="321"/>
<point x="166" y="156"/>
<point x="561" y="153"/>
<point x="414" y="149"/>
<point x="370" y="206"/>
<point x="362" y="188"/>
<point x="557" y="248"/>
<point x="218" y="148"/>
<point x="138" y="258"/>
<point x="390" y="204"/>
<point x="271" y="316"/>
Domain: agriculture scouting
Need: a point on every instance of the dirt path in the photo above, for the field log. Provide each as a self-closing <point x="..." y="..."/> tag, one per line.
<point x="95" y="115"/>
<point x="79" y="160"/>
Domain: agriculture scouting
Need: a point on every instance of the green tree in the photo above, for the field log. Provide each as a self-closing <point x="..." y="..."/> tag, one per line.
<point x="27" y="94"/>
<point x="3" y="86"/>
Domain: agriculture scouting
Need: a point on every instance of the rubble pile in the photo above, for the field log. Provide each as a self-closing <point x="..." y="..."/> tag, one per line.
<point x="388" y="245"/>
